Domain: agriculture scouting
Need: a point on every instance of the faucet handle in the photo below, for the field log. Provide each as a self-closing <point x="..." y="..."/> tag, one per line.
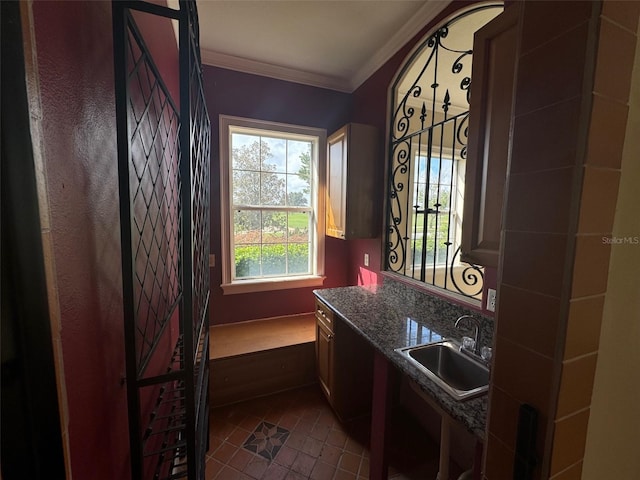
<point x="469" y="344"/>
<point x="486" y="353"/>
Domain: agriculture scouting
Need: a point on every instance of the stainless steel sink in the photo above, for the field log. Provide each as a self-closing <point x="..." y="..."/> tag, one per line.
<point x="458" y="374"/>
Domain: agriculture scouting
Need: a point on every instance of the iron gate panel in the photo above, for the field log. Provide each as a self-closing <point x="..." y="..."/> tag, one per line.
<point x="163" y="162"/>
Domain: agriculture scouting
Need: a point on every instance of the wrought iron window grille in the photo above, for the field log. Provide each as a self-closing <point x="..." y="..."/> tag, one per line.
<point x="427" y="151"/>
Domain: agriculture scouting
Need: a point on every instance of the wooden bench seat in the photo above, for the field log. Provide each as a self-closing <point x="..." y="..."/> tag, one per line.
<point x="261" y="357"/>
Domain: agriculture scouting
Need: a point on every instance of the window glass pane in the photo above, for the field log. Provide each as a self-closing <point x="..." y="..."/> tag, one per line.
<point x="445" y="197"/>
<point x="298" y="191"/>
<point x="418" y="222"/>
<point x="274" y="152"/>
<point x="298" y="157"/>
<point x="246" y="187"/>
<point x="247" y="227"/>
<point x="245" y="151"/>
<point x="441" y="243"/>
<point x="433" y="196"/>
<point x="247" y="261"/>
<point x="272" y="188"/>
<point x="298" y="224"/>
<point x="433" y="224"/>
<point x="274" y="227"/>
<point x="434" y="170"/>
<point x="298" y="255"/>
<point x="421" y="170"/>
<point x="274" y="259"/>
<point x="446" y="167"/>
<point x="419" y="197"/>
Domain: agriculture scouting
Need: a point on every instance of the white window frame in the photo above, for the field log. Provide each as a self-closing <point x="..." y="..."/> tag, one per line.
<point x="316" y="278"/>
<point x="457" y="192"/>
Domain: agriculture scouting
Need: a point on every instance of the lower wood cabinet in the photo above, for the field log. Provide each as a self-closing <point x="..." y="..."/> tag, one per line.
<point x="344" y="362"/>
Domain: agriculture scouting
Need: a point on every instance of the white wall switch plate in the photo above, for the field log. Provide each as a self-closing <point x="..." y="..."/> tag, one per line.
<point x="366" y="259"/>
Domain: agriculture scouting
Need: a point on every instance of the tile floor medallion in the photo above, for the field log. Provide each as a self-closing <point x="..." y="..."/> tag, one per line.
<point x="266" y="440"/>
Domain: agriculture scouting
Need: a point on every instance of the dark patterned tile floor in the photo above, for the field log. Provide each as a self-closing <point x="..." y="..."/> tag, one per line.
<point x="295" y="435"/>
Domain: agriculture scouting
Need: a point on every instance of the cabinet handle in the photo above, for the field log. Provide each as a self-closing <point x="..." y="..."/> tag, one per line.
<point x="330" y="336"/>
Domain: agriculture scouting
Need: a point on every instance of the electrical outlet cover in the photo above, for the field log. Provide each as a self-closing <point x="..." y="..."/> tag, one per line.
<point x="491" y="300"/>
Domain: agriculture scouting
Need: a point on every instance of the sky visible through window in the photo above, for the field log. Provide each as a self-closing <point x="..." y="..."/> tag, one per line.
<point x="284" y="159"/>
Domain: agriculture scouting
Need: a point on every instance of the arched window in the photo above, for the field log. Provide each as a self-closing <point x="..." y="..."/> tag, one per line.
<point x="427" y="153"/>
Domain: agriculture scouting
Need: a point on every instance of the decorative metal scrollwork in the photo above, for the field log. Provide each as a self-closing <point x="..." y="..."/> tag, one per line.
<point x="462" y="134"/>
<point x="471" y="276"/>
<point x="428" y="137"/>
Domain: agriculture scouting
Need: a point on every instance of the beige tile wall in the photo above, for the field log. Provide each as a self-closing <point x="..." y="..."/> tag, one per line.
<point x="608" y="117"/>
<point x="570" y="111"/>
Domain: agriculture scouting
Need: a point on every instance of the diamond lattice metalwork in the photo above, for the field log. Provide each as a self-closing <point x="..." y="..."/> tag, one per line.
<point x="155" y="199"/>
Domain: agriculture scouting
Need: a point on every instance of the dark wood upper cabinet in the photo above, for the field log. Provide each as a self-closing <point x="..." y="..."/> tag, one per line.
<point x="352" y="159"/>
<point x="492" y="88"/>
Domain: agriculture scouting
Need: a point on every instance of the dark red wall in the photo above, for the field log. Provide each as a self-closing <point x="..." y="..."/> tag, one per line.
<point x="75" y="60"/>
<point x="252" y="96"/>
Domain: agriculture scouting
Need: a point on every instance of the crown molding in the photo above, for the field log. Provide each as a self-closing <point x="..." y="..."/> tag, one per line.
<point x="422" y="17"/>
<point x="254" y="67"/>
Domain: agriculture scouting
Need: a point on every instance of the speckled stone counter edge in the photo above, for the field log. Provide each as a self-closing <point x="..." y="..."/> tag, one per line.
<point x="389" y="315"/>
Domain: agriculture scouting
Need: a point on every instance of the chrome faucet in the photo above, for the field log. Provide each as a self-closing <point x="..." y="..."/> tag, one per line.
<point x="476" y="332"/>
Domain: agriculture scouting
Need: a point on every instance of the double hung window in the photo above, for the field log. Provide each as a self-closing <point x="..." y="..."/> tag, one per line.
<point x="273" y="219"/>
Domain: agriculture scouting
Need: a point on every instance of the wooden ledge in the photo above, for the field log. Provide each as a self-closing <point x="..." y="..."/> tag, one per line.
<point x="252" y="336"/>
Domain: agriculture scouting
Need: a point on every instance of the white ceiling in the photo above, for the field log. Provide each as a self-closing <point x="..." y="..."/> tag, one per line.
<point x="334" y="44"/>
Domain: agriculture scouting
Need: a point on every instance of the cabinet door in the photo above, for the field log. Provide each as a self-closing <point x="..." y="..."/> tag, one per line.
<point x="352" y="162"/>
<point x="493" y="72"/>
<point x="344" y="364"/>
<point x="337" y="183"/>
<point x="324" y="356"/>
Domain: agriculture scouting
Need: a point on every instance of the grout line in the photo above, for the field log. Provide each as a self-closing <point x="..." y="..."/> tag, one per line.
<point x="580" y="357"/>
<point x="572" y="414"/>
<point x="608" y="19"/>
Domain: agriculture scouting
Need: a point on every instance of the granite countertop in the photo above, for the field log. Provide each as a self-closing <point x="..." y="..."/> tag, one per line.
<point x="392" y="316"/>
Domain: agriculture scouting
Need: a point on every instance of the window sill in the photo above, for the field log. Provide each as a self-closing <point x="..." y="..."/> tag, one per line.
<point x="253" y="286"/>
